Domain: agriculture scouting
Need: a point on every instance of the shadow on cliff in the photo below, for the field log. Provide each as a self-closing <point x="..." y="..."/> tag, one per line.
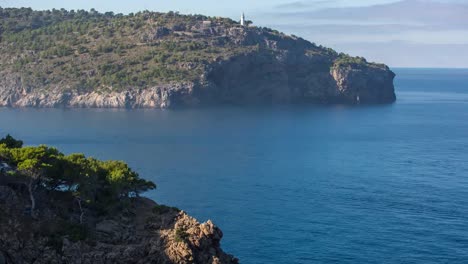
<point x="140" y="232"/>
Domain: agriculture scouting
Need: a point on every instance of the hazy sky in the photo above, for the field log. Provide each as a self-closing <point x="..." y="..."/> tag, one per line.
<point x="409" y="33"/>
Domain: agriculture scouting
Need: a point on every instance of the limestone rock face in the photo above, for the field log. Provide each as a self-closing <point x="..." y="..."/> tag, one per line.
<point x="368" y="85"/>
<point x="247" y="79"/>
<point x="135" y="235"/>
<point x="294" y="78"/>
<point x="156" y="97"/>
<point x="277" y="69"/>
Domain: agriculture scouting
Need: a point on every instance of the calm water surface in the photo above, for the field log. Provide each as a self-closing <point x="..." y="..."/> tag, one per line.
<point x="323" y="184"/>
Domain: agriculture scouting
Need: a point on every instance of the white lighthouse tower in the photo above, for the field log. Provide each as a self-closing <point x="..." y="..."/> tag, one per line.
<point x="242" y="21"/>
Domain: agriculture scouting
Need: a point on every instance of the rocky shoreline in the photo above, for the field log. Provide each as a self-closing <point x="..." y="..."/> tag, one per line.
<point x="224" y="85"/>
<point x="143" y="233"/>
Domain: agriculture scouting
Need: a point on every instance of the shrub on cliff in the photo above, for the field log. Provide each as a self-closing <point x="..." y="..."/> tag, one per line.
<point x="10" y="142"/>
<point x="346" y="60"/>
<point x="93" y="183"/>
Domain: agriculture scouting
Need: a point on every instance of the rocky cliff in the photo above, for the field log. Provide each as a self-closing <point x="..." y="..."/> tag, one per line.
<point x="143" y="232"/>
<point x="156" y="60"/>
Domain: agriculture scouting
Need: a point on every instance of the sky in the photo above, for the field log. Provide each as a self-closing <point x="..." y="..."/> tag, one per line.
<point x="400" y="33"/>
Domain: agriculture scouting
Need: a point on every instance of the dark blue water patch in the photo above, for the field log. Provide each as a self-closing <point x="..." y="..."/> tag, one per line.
<point x="305" y="184"/>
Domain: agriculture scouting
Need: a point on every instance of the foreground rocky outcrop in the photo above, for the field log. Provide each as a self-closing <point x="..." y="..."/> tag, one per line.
<point x="173" y="60"/>
<point x="144" y="232"/>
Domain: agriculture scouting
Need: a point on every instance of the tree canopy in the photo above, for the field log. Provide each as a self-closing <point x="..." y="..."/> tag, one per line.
<point x="100" y="184"/>
<point x="10" y="142"/>
<point x="97" y="51"/>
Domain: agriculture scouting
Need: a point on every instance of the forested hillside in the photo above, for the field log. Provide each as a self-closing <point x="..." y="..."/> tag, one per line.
<point x="112" y="50"/>
<point x="73" y="53"/>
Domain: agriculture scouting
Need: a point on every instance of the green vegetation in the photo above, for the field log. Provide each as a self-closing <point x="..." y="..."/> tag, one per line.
<point x="94" y="184"/>
<point x="88" y="50"/>
<point x="10" y="142"/>
<point x="344" y="60"/>
<point x="162" y="209"/>
<point x="181" y="235"/>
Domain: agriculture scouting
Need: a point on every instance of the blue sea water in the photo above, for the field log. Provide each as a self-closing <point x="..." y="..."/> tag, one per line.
<point x="298" y="184"/>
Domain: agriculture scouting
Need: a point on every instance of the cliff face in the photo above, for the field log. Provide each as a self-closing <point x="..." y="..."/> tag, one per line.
<point x="14" y="94"/>
<point x="366" y="85"/>
<point x="142" y="233"/>
<point x="292" y="76"/>
<point x="247" y="79"/>
<point x="184" y="61"/>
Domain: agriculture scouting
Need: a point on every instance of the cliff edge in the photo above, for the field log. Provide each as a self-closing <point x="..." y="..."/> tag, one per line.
<point x="78" y="58"/>
<point x="142" y="233"/>
<point x="58" y="208"/>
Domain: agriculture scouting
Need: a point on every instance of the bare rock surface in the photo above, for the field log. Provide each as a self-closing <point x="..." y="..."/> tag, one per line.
<point x="139" y="234"/>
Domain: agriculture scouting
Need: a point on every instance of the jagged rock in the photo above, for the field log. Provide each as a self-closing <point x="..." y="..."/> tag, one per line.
<point x="135" y="235"/>
<point x="371" y="85"/>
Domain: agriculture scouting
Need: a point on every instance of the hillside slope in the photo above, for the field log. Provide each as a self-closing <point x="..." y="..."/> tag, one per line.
<point x="58" y="208"/>
<point x="140" y="234"/>
<point x="65" y="58"/>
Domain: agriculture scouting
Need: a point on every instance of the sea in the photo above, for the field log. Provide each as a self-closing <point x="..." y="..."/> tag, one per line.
<point x="297" y="184"/>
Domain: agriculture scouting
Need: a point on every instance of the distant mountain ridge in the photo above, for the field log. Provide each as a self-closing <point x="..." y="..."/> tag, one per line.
<point x="63" y="58"/>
